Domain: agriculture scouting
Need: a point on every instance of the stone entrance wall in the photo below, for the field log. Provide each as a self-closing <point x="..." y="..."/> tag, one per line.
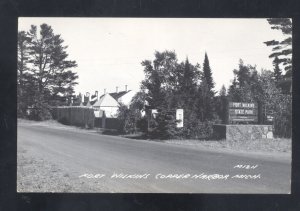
<point x="243" y="132"/>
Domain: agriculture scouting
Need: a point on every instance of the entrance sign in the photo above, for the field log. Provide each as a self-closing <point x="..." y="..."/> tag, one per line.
<point x="179" y="117"/>
<point x="243" y="112"/>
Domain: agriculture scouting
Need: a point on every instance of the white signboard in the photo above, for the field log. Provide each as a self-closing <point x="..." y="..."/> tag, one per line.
<point x="179" y="116"/>
<point x="154" y="112"/>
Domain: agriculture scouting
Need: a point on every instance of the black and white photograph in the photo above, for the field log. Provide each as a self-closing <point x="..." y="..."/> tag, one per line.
<point x="154" y="105"/>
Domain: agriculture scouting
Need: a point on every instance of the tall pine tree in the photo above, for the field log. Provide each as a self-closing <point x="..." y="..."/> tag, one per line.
<point x="22" y="79"/>
<point x="222" y="104"/>
<point x="206" y="92"/>
<point x="207" y="74"/>
<point x="242" y="74"/>
<point x="277" y="70"/>
<point x="282" y="49"/>
<point x="44" y="73"/>
<point x="234" y="93"/>
<point x="188" y="84"/>
<point x="51" y="70"/>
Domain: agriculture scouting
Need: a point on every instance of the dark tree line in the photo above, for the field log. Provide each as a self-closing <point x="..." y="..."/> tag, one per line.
<point x="250" y="86"/>
<point x="169" y="85"/>
<point x="45" y="76"/>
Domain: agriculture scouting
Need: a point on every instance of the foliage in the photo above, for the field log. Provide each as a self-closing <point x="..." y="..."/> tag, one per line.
<point x="39" y="111"/>
<point x="244" y="86"/>
<point x="277" y="70"/>
<point x="206" y="93"/>
<point x="44" y="73"/>
<point x="170" y="85"/>
<point x="234" y="93"/>
<point x="203" y="130"/>
<point x="153" y="83"/>
<point x="142" y="124"/>
<point x="194" y="128"/>
<point x="221" y="105"/>
<point x="207" y="74"/>
<point x="283" y="117"/>
<point x="22" y="77"/>
<point x="278" y="103"/>
<point x="163" y="126"/>
<point x="252" y="86"/>
<point x="128" y="118"/>
<point x="282" y="49"/>
<point x="138" y="101"/>
<point x="205" y="103"/>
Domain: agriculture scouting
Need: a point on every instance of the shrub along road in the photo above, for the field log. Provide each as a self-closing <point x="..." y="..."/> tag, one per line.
<point x="53" y="159"/>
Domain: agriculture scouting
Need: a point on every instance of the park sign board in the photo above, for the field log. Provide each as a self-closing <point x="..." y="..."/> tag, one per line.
<point x="243" y="112"/>
<point x="179" y="117"/>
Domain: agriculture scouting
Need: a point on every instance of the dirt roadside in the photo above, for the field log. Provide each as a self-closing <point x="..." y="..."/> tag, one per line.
<point x="38" y="175"/>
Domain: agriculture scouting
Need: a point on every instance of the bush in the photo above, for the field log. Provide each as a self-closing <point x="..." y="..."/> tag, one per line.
<point x="198" y="129"/>
<point x="163" y="126"/>
<point x="39" y="112"/>
<point x="283" y="118"/>
<point x="142" y="124"/>
<point x="128" y="118"/>
<point x="130" y="125"/>
<point x="204" y="130"/>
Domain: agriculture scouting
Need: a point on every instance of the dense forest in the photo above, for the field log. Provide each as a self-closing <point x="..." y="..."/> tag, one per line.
<point x="170" y="84"/>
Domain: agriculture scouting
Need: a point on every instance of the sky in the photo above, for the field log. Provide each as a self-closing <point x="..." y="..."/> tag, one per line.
<point x="109" y="51"/>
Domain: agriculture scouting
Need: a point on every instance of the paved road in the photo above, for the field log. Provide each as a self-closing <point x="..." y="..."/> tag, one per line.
<point x="79" y="153"/>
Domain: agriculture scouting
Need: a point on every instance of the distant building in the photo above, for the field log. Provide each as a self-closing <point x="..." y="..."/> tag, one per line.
<point x="108" y="103"/>
<point x="126" y="98"/>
